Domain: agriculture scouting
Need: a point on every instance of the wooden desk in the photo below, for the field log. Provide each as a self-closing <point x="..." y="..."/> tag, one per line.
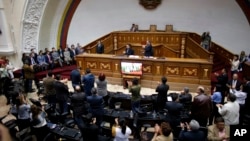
<point x="180" y="72"/>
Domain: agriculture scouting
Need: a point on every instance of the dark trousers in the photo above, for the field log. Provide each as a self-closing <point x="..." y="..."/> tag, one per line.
<point x="134" y="105"/>
<point x="214" y="114"/>
<point x="28" y="85"/>
<point x="202" y="121"/>
<point x="63" y="106"/>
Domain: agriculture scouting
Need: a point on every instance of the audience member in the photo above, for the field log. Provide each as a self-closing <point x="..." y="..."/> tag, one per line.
<point x="90" y="130"/>
<point x="192" y="132"/>
<point x="56" y="57"/>
<point x="28" y="76"/>
<point x="101" y="84"/>
<point x="50" y="92"/>
<point x="48" y="60"/>
<point x="99" y="48"/>
<point x="185" y="98"/>
<point x="10" y="68"/>
<point x="242" y="59"/>
<point x="135" y="90"/>
<point x="234" y="64"/>
<point x="201" y="107"/>
<point x="162" y="90"/>
<point x="240" y="98"/>
<point x="163" y="132"/>
<point x="120" y="130"/>
<point x="222" y="79"/>
<point x="79" y="49"/>
<point x="61" y="53"/>
<point x="234" y="83"/>
<point x="25" y="57"/>
<point x="23" y="113"/>
<point x="75" y="77"/>
<point x="4" y="133"/>
<point x="175" y="110"/>
<point x="41" y="60"/>
<point x="230" y="110"/>
<point x="218" y="131"/>
<point x="67" y="57"/>
<point x="39" y="123"/>
<point x="132" y="29"/>
<point x="148" y="49"/>
<point x="88" y="81"/>
<point x="246" y="88"/>
<point x="216" y="99"/>
<point x="206" y="40"/>
<point x="79" y="106"/>
<point x="62" y="94"/>
<point x="96" y="106"/>
<point x="128" y="50"/>
<point x="72" y="52"/>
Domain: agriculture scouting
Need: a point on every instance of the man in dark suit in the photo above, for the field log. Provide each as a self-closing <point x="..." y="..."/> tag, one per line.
<point x="61" y="52"/>
<point x="201" y="107"/>
<point x="192" y="133"/>
<point x="75" y="77"/>
<point x="175" y="110"/>
<point x="78" y="104"/>
<point x="246" y="88"/>
<point x="162" y="90"/>
<point x="34" y="54"/>
<point x="186" y="99"/>
<point x="148" y="49"/>
<point x="128" y="50"/>
<point x="62" y="93"/>
<point x="99" y="48"/>
<point x="234" y="83"/>
<point x="88" y="80"/>
<point x="222" y="81"/>
<point x="96" y="105"/>
<point x="49" y="60"/>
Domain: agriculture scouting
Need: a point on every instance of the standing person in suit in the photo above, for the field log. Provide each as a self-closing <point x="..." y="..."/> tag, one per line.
<point x="128" y="51"/>
<point x="185" y="98"/>
<point x="234" y="83"/>
<point x="79" y="49"/>
<point x="78" y="104"/>
<point x="218" y="131"/>
<point x="201" y="107"/>
<point x="162" y="90"/>
<point x="99" y="48"/>
<point x="62" y="93"/>
<point x="96" y="106"/>
<point x="175" y="109"/>
<point x="88" y="80"/>
<point x="222" y="80"/>
<point x="29" y="75"/>
<point x="49" y="89"/>
<point x="148" y="49"/>
<point x="75" y="77"/>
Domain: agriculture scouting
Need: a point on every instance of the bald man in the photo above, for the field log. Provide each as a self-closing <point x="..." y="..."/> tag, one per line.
<point x="234" y="83"/>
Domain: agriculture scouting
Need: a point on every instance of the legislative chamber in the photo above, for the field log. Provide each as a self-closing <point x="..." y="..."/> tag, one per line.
<point x="176" y="55"/>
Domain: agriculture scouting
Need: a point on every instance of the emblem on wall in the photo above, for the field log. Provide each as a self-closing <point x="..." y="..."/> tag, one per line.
<point x="150" y="4"/>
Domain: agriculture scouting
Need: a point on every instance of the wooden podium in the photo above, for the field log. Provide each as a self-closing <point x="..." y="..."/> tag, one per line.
<point x="126" y="78"/>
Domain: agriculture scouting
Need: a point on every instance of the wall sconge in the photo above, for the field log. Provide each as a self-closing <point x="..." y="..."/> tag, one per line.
<point x="150" y="4"/>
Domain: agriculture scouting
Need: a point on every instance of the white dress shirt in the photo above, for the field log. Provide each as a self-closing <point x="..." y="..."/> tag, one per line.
<point x="230" y="113"/>
<point x="240" y="96"/>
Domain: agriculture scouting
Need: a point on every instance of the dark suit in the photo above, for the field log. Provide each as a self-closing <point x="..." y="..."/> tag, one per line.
<point x="88" y="81"/>
<point x="129" y="51"/>
<point x="192" y="136"/>
<point x="78" y="104"/>
<point x="75" y="77"/>
<point x="175" y="110"/>
<point x="100" y="49"/>
<point x="201" y="108"/>
<point x="61" y="53"/>
<point x="246" y="89"/>
<point x="96" y="107"/>
<point x="222" y="81"/>
<point x="49" y="60"/>
<point x="237" y="86"/>
<point x="162" y="96"/>
<point x="186" y="100"/>
<point x="148" y="50"/>
<point x="62" y="94"/>
<point x="90" y="132"/>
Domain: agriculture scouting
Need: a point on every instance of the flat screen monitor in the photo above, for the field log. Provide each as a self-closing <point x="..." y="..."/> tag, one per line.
<point x="131" y="68"/>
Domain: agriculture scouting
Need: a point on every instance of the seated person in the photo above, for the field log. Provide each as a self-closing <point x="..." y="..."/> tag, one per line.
<point x="56" y="57"/>
<point x="49" y="60"/>
<point x="218" y="131"/>
<point x="67" y="57"/>
<point x="90" y="131"/>
<point x="192" y="133"/>
<point x="120" y="130"/>
<point x="163" y="132"/>
<point x="128" y="50"/>
<point x="39" y="123"/>
<point x="41" y="60"/>
<point x="23" y="113"/>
